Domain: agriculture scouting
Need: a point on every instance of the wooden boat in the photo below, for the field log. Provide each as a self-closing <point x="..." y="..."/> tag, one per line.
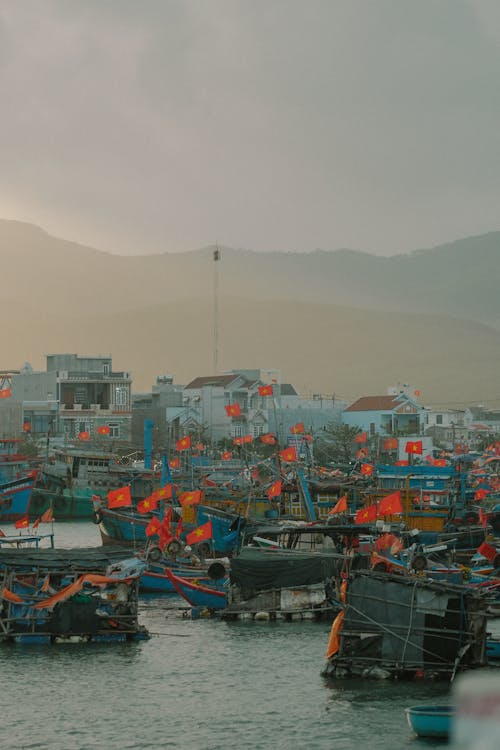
<point x="17" y="479"/>
<point x="431" y="721"/>
<point x="213" y="597"/>
<point x="69" y="480"/>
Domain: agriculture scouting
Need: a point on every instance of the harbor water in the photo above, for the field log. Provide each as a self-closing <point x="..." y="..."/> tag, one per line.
<point x="197" y="684"/>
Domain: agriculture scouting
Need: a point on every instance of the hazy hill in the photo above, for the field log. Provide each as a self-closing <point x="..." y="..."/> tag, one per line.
<point x="460" y="279"/>
<point x="318" y="347"/>
<point x="342" y="322"/>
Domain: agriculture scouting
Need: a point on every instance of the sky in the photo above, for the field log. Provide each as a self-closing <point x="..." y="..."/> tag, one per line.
<point x="169" y="125"/>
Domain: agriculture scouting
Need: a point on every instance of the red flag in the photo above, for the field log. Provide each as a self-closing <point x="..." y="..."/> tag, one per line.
<point x="361" y="438"/>
<point x="414" y="447"/>
<point x="483" y="518"/>
<point x="27" y="427"/>
<point x="22" y="523"/>
<point x="200" y="534"/>
<point x="265" y="390"/>
<point x="340" y="507"/>
<point x="362" y="453"/>
<point x="48" y="516"/>
<point x="238" y="441"/>
<point x="226" y="456"/>
<point x="274" y="490"/>
<point x="5" y="393"/>
<point x="174" y="463"/>
<point x="184" y="443"/>
<point x="364" y="515"/>
<point x="390" y="444"/>
<point x="480" y="494"/>
<point x="178" y="530"/>
<point x="247" y="438"/>
<point x="163" y="493"/>
<point x="400" y="463"/>
<point x="199" y="447"/>
<point x="153" y="526"/>
<point x="390" y="505"/>
<point x="268" y="439"/>
<point x="440" y="462"/>
<point x="189" y="498"/>
<point x="104" y="430"/>
<point x="367" y="470"/>
<point x="36" y="524"/>
<point x="147" y="505"/>
<point x="120" y="498"/>
<point x="487" y="551"/>
<point x="289" y="454"/>
<point x="233" y="410"/>
<point x="84" y="435"/>
<point x="298" y="429"/>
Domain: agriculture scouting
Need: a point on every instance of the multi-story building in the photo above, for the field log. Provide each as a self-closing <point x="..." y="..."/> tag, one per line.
<point x="91" y="395"/>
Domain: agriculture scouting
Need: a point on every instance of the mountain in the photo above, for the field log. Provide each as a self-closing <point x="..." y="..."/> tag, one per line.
<point x="154" y="314"/>
<point x="460" y="279"/>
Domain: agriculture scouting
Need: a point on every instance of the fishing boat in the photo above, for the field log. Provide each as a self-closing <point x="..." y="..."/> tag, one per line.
<point x="431" y="721"/>
<point x="17" y="479"/>
<point x="69" y="480"/>
<point x="60" y="596"/>
<point x="125" y="526"/>
<point x="211" y="597"/>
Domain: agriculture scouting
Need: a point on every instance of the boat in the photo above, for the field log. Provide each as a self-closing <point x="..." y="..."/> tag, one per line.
<point x="211" y="597"/>
<point x="70" y="479"/>
<point x="431" y="721"/>
<point x="17" y="479"/>
<point x="406" y="627"/>
<point x="69" y="595"/>
<point x="125" y="526"/>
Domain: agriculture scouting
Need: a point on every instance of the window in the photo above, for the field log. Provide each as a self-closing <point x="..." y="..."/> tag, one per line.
<point x="439" y="419"/>
<point x="121" y="395"/>
<point x="257" y="430"/>
<point x="114" y="429"/>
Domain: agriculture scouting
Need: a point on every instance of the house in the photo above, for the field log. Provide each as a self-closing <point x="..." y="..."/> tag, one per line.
<point x="386" y="415"/>
<point x="90" y="395"/>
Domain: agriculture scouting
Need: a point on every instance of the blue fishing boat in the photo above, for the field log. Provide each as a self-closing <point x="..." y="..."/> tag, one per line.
<point x="17" y="480"/>
<point x="155" y="579"/>
<point x="15" y="498"/>
<point x="198" y="595"/>
<point x="493" y="649"/>
<point x="431" y="721"/>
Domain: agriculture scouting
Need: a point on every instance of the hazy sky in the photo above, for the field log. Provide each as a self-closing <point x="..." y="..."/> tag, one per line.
<point x="161" y="125"/>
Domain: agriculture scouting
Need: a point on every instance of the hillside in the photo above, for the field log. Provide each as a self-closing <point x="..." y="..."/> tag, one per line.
<point x="342" y="322"/>
<point x="460" y="279"/>
<point x="318" y="347"/>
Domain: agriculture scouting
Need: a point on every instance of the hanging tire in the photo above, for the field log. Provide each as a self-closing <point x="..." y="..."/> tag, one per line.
<point x="97" y="516"/>
<point x="155" y="554"/>
<point x="381" y="567"/>
<point x="174" y="547"/>
<point x="202" y="549"/>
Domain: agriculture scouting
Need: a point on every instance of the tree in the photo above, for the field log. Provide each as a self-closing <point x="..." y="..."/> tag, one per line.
<point x="336" y="442"/>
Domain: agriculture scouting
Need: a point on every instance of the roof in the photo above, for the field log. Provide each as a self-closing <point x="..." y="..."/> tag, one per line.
<point x="287" y="389"/>
<point x="220" y="380"/>
<point x="375" y="403"/>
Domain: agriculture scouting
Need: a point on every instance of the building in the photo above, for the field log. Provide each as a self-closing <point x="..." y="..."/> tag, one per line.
<point x="394" y="415"/>
<point x="91" y="395"/>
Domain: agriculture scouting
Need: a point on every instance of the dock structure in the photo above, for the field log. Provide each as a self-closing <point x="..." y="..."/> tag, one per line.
<point x="73" y="595"/>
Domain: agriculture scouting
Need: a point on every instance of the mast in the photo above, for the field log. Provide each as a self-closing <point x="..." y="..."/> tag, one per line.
<point x="216" y="256"/>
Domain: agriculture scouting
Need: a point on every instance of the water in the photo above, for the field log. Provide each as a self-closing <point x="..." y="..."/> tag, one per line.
<point x="198" y="685"/>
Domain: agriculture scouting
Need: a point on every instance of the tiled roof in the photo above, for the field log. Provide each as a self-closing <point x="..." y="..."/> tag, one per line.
<point x="375" y="403"/>
<point x="221" y="380"/>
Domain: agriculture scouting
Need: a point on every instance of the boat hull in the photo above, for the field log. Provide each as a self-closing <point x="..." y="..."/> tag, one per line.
<point x="15" y="497"/>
